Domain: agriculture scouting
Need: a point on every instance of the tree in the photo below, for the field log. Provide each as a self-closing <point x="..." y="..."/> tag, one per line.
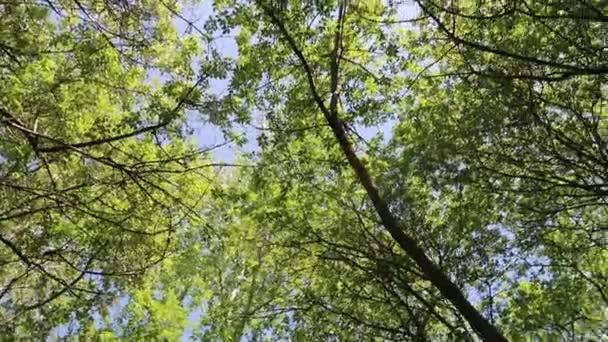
<point x="97" y="178"/>
<point x="480" y="216"/>
<point x="331" y="31"/>
<point x="518" y="110"/>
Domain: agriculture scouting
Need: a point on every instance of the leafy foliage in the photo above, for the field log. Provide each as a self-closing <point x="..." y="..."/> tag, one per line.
<point x="476" y="210"/>
<point x="94" y="161"/>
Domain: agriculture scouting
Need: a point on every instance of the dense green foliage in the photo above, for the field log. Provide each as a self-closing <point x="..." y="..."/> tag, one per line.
<point x="91" y="196"/>
<point x="475" y="132"/>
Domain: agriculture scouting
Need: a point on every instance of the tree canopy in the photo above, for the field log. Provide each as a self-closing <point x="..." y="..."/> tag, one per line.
<point x="421" y="170"/>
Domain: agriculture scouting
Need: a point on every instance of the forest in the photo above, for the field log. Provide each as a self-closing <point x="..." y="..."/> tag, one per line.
<point x="303" y="170"/>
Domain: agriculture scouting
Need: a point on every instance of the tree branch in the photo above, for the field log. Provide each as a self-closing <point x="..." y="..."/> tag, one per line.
<point x="448" y="289"/>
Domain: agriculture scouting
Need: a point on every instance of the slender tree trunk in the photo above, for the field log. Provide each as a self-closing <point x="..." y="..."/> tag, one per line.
<point x="448" y="289"/>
